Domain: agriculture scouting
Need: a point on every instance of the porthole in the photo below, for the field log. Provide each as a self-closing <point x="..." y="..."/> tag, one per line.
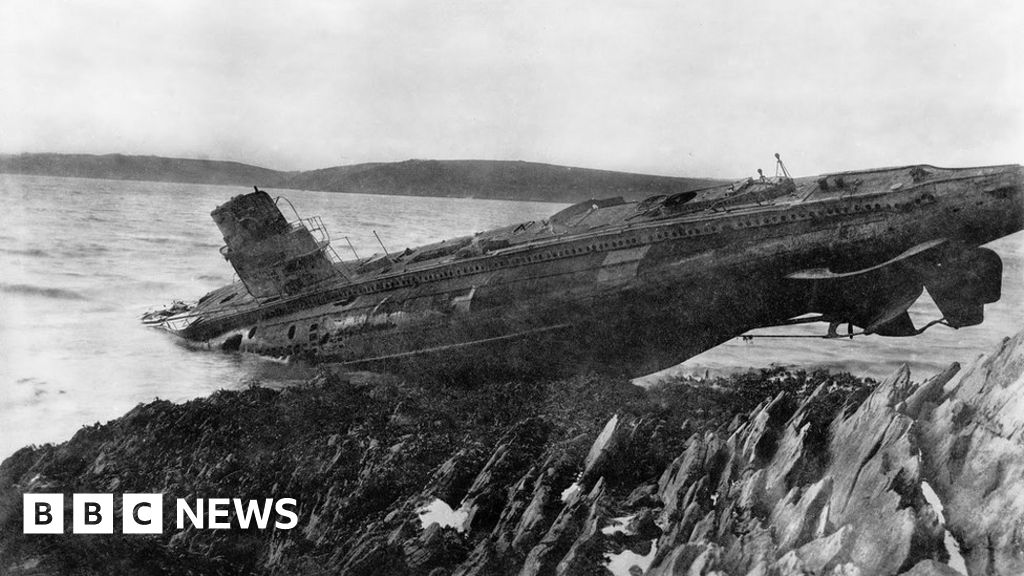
<point x="252" y="332"/>
<point x="291" y="332"/>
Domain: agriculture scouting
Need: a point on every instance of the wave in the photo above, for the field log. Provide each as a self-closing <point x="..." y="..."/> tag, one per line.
<point x="30" y="290"/>
<point x="84" y="250"/>
<point x="212" y="278"/>
<point x="33" y="252"/>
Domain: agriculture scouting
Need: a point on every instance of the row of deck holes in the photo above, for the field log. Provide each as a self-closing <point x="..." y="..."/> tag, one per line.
<point x="522" y="260"/>
<point x="816" y="214"/>
<point x="606" y="245"/>
<point x="539" y="258"/>
<point x="615" y="244"/>
<point x="620" y="243"/>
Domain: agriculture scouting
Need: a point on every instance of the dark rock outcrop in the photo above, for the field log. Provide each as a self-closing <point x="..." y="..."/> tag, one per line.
<point x="771" y="473"/>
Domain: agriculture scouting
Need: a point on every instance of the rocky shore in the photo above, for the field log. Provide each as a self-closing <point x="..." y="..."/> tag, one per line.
<point x="773" y="472"/>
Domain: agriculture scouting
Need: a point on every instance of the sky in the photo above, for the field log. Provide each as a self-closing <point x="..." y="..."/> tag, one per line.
<point x="698" y="88"/>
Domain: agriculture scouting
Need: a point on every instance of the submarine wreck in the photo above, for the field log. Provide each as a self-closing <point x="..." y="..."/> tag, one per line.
<point x="613" y="286"/>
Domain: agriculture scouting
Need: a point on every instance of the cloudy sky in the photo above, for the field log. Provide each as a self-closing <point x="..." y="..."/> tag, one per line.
<point x="669" y="87"/>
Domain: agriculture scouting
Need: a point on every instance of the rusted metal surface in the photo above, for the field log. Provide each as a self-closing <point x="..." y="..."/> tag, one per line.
<point x="625" y="287"/>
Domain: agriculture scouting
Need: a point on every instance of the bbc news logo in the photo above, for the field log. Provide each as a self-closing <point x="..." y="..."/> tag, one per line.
<point x="144" y="513"/>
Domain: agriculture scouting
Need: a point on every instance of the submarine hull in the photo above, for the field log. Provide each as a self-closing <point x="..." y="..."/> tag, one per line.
<point x="631" y="288"/>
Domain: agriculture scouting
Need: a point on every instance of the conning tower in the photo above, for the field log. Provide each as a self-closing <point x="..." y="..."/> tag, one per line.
<point x="273" y="257"/>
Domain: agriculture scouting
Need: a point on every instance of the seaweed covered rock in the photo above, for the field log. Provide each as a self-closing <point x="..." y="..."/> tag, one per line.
<point x="771" y="472"/>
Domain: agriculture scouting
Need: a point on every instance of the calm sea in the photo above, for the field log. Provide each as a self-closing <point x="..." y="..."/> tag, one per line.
<point x="81" y="260"/>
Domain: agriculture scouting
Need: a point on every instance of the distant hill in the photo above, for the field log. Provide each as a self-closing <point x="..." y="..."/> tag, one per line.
<point x="492" y="179"/>
<point x="151" y="168"/>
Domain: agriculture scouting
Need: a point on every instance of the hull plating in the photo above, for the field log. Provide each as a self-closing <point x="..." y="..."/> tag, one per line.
<point x="617" y="287"/>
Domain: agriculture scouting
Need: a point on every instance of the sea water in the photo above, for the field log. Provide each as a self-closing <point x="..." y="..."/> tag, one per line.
<point x="81" y="260"/>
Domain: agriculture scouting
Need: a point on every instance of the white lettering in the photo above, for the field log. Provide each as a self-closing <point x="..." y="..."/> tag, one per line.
<point x="142" y="514"/>
<point x="195" y="517"/>
<point x="253" y="510"/>
<point x="281" y="509"/>
<point x="219" y="508"/>
<point x="92" y="514"/>
<point x="42" y="513"/>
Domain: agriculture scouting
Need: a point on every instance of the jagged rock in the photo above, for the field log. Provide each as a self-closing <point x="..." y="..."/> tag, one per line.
<point x="696" y="559"/>
<point x="610" y="449"/>
<point x="822" y="554"/>
<point x="802" y="517"/>
<point x="565" y="530"/>
<point x="676" y="488"/>
<point x="585" y="551"/>
<point x="435" y="547"/>
<point x="930" y="393"/>
<point x="643" y="495"/>
<point x="858" y="505"/>
<point x="973" y="446"/>
<point x="643" y="525"/>
<point x="376" y="558"/>
<point x="703" y="528"/>
<point x="453" y="478"/>
<point x="931" y="568"/>
<point x="488" y="494"/>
